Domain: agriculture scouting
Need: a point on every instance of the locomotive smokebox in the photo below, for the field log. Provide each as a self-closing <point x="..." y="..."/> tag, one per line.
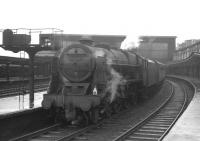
<point x="77" y="63"/>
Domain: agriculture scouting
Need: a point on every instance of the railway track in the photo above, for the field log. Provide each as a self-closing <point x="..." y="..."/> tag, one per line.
<point x="159" y="122"/>
<point x="58" y="132"/>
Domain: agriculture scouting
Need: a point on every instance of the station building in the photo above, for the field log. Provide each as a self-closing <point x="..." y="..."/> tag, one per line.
<point x="185" y="49"/>
<point x="159" y="48"/>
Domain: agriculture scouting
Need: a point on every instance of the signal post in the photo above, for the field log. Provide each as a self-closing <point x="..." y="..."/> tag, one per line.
<point x="22" y="42"/>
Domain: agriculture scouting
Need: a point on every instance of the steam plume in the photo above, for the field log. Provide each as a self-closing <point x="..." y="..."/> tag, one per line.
<point x="116" y="78"/>
<point x="114" y="83"/>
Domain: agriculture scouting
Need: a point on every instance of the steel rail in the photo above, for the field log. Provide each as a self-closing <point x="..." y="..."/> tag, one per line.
<point x="59" y="137"/>
<point x="36" y="133"/>
<point x="177" y="117"/>
<point x="67" y="136"/>
<point x="79" y="132"/>
<point x="141" y="123"/>
<point x="47" y="134"/>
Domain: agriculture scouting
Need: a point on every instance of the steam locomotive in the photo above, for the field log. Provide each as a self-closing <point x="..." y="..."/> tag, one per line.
<point x="89" y="81"/>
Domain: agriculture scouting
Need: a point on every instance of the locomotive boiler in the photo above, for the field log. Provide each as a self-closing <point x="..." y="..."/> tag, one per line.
<point x="89" y="81"/>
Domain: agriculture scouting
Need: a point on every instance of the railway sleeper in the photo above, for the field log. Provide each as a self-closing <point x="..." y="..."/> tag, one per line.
<point x="154" y="122"/>
<point x="150" y="131"/>
<point x="142" y="138"/>
<point x="154" y="127"/>
<point x="157" y="125"/>
<point x="162" y="120"/>
<point x="146" y="134"/>
<point x="166" y="118"/>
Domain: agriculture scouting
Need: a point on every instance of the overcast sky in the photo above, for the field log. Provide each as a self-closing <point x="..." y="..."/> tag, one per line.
<point x="128" y="17"/>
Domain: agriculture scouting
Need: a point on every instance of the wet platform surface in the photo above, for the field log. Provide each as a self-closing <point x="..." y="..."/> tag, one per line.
<point x="16" y="103"/>
<point x="187" y="128"/>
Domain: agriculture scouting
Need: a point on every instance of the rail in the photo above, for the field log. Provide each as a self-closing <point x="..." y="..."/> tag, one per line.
<point x="66" y="133"/>
<point x="33" y="134"/>
<point x="148" y="122"/>
<point x="179" y="114"/>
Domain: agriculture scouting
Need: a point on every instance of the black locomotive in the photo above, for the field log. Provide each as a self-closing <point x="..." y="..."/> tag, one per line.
<point x="89" y="80"/>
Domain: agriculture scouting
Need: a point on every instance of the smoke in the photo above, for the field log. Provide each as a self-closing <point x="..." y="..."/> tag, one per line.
<point x="130" y="42"/>
<point x="99" y="53"/>
<point x="116" y="79"/>
<point x="113" y="84"/>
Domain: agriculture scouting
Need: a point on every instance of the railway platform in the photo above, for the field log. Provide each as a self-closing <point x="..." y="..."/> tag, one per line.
<point x="187" y="128"/>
